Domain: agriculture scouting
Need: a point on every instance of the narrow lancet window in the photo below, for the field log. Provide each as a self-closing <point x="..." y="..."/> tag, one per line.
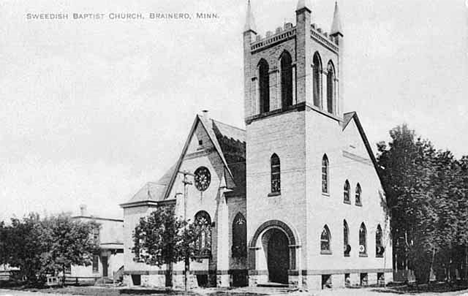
<point x="330" y="88"/>
<point x="325" y="238"/>
<point x="325" y="175"/>
<point x="286" y="80"/>
<point x="317" y="80"/>
<point x="264" y="85"/>
<point x="363" y="240"/>
<point x="275" y="174"/>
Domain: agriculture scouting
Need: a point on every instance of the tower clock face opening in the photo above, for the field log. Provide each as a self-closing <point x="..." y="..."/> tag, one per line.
<point x="202" y="178"/>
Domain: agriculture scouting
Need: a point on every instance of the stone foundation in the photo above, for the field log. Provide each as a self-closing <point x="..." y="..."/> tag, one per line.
<point x="315" y="282"/>
<point x="223" y="280"/>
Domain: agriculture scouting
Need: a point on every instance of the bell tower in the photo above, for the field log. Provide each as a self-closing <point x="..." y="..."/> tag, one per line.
<point x="293" y="116"/>
<point x="291" y="66"/>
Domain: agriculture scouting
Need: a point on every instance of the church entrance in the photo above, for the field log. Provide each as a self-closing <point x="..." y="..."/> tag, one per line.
<point x="272" y="249"/>
<point x="278" y="256"/>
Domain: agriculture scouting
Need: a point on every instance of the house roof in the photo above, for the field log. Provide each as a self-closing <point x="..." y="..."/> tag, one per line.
<point x="229" y="142"/>
<point x="154" y="190"/>
<point x="232" y="142"/>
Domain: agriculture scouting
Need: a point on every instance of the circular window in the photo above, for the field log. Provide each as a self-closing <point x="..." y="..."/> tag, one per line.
<point x="202" y="178"/>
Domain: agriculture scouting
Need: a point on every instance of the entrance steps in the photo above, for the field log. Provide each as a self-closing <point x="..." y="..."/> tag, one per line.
<point x="273" y="285"/>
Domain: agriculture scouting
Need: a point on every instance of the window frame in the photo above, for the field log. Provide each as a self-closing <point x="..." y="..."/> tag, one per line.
<point x="346" y="193"/>
<point x="286" y="80"/>
<point x="358" y="195"/>
<point x="325" y="243"/>
<point x="203" y="243"/>
<point x="95" y="263"/>
<point x="346" y="239"/>
<point x="379" y="242"/>
<point x="275" y="174"/>
<point x="331" y="105"/>
<point x="325" y="175"/>
<point x="264" y="86"/>
<point x="317" y="80"/>
<point x="239" y="240"/>
<point x="363" y="240"/>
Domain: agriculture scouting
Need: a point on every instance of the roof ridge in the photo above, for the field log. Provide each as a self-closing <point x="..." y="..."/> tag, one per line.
<point x="216" y="121"/>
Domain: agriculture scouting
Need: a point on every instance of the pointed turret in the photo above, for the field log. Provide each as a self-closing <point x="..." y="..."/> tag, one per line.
<point x="303" y="4"/>
<point x="249" y="37"/>
<point x="336" y="28"/>
<point x="249" y="20"/>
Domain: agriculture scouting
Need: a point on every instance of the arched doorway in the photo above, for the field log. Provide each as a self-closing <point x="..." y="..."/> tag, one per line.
<point x="272" y="250"/>
<point x="277" y="256"/>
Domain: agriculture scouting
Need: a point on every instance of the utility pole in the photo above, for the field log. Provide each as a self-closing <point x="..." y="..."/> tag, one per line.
<point x="186" y="183"/>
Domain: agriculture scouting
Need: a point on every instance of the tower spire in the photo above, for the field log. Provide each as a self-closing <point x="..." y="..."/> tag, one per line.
<point x="301" y="4"/>
<point x="336" y="24"/>
<point x="249" y="20"/>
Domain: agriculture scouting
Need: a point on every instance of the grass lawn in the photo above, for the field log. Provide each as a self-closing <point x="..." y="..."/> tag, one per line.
<point x="433" y="290"/>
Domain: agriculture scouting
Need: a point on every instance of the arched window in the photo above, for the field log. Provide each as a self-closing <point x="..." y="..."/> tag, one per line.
<point x="346" y="246"/>
<point x="346" y="190"/>
<point x="325" y="239"/>
<point x="317" y="83"/>
<point x="203" y="242"/>
<point x="379" y="248"/>
<point x="330" y="88"/>
<point x="362" y="240"/>
<point x="286" y="80"/>
<point x="239" y="236"/>
<point x="264" y="85"/>
<point x="325" y="174"/>
<point x="275" y="174"/>
<point x="358" y="194"/>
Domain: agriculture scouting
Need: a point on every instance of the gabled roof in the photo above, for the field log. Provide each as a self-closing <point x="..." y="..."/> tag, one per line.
<point x="347" y="117"/>
<point x="210" y="126"/>
<point x="232" y="142"/>
<point x="229" y="143"/>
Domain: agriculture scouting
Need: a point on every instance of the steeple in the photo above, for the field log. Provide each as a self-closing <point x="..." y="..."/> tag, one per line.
<point x="303" y="4"/>
<point x="249" y="20"/>
<point x="336" y="25"/>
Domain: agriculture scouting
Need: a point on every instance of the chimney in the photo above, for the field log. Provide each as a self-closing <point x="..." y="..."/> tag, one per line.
<point x="83" y="210"/>
<point x="205" y="114"/>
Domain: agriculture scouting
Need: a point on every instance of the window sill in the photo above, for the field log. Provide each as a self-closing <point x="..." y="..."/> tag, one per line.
<point x="347" y="202"/>
<point x="362" y="255"/>
<point x="200" y="257"/>
<point x="358" y="204"/>
<point x="327" y="194"/>
<point x="378" y="256"/>
<point x="346" y="255"/>
<point x="325" y="252"/>
<point x="274" y="194"/>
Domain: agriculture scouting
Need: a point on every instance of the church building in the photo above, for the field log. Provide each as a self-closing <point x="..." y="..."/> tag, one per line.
<point x="294" y="199"/>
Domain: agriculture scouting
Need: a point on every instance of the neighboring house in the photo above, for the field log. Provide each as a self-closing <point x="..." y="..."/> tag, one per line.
<point x="109" y="259"/>
<point x="295" y="199"/>
<point x="7" y="273"/>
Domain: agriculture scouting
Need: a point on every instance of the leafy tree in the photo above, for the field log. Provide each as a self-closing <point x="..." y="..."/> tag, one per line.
<point x="66" y="242"/>
<point x="426" y="192"/>
<point x="162" y="238"/>
<point x="25" y="248"/>
<point x="4" y="249"/>
<point x="48" y="246"/>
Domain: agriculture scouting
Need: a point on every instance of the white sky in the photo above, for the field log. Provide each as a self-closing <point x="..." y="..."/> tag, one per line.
<point x="92" y="110"/>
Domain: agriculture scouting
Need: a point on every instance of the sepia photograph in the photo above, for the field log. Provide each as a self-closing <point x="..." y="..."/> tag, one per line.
<point x="234" y="147"/>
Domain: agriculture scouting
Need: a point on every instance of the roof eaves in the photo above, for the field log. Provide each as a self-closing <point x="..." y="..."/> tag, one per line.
<point x="217" y="146"/>
<point x="347" y="118"/>
<point x="368" y="146"/>
<point x="181" y="158"/>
